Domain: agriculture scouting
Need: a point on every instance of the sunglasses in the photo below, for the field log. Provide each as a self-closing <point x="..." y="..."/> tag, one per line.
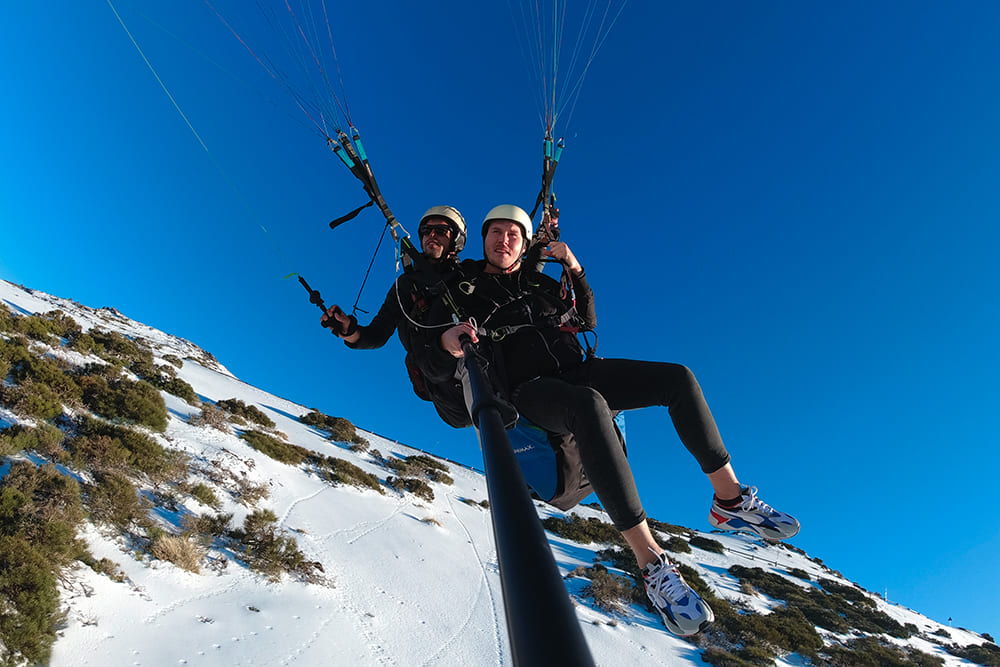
<point x="440" y="230"/>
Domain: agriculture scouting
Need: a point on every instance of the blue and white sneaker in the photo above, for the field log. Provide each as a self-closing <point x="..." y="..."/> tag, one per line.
<point x="754" y="515"/>
<point x="682" y="610"/>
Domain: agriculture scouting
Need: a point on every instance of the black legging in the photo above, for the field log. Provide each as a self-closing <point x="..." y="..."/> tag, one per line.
<point x="580" y="401"/>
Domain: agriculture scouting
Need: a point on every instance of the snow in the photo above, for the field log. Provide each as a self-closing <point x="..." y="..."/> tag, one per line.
<point x="407" y="582"/>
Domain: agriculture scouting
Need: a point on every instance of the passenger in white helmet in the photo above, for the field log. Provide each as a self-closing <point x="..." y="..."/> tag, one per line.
<point x="526" y="330"/>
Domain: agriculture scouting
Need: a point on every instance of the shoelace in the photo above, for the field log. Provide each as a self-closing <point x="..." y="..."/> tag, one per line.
<point x="752" y="502"/>
<point x="666" y="581"/>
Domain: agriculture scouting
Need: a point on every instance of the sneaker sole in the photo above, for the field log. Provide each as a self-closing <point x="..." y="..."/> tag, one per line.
<point x="735" y="524"/>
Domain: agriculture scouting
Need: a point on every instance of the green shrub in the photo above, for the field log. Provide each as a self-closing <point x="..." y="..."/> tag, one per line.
<point x="339" y="471"/>
<point x="118" y="349"/>
<point x="276" y="449"/>
<point x="121" y="399"/>
<point x="249" y="412"/>
<point x="182" y="390"/>
<point x="421" y="466"/>
<point x="983" y="654"/>
<point x="667" y="528"/>
<point x="866" y="651"/>
<point x="61" y="324"/>
<point x="207" y="526"/>
<point x="97" y="452"/>
<point x="584" y="531"/>
<point x="46" y="439"/>
<point x="114" y="500"/>
<point x="850" y="593"/>
<point x="173" y="359"/>
<point x="707" y="544"/>
<point x="42" y="370"/>
<point x="801" y="574"/>
<point x="32" y="399"/>
<point x="340" y="429"/>
<point x="677" y="545"/>
<point x="29" y="597"/>
<point x="84" y="344"/>
<point x="49" y="495"/>
<point x="102" y="446"/>
<point x="721" y="658"/>
<point x="204" y="494"/>
<point x="33" y="327"/>
<point x="417" y="487"/>
<point x="268" y="552"/>
<point x="105" y="566"/>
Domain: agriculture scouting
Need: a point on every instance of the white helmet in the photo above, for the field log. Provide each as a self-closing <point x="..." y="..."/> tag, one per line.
<point x="451" y="214"/>
<point x="512" y="213"/>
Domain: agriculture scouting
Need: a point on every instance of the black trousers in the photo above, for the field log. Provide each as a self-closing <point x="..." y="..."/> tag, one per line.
<point x="581" y="401"/>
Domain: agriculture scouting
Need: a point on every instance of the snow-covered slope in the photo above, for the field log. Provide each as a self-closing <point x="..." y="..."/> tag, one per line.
<point x="407" y="581"/>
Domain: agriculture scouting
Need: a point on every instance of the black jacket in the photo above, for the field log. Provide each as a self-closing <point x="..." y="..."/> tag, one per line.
<point x="527" y="323"/>
<point x="409" y="297"/>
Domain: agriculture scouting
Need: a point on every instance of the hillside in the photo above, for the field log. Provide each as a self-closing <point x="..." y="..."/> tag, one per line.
<point x="244" y="529"/>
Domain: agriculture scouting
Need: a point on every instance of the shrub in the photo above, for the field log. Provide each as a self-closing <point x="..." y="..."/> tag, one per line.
<point x="173" y="359"/>
<point x="667" y="528"/>
<point x="138" y="402"/>
<point x="105" y="566"/>
<point x="61" y="324"/>
<point x="678" y="545"/>
<point x="83" y="343"/>
<point x="207" y="526"/>
<point x="29" y="597"/>
<point x="43" y="507"/>
<point x="417" y="487"/>
<point x="340" y="429"/>
<point x="584" y="531"/>
<point x="113" y="499"/>
<point x="46" y="440"/>
<point x="211" y="416"/>
<point x="866" y="651"/>
<point x="118" y="349"/>
<point x="33" y="400"/>
<point x="340" y="471"/>
<point x="100" y="445"/>
<point x="707" y="544"/>
<point x="180" y="389"/>
<point x="420" y="465"/>
<point x="33" y="326"/>
<point x="801" y="574"/>
<point x="97" y="452"/>
<point x="609" y="591"/>
<point x="983" y="654"/>
<point x="203" y="493"/>
<point x="269" y="553"/>
<point x="249" y="412"/>
<point x="721" y="658"/>
<point x="42" y="370"/>
<point x="180" y="551"/>
<point x="249" y="493"/>
<point x="276" y="449"/>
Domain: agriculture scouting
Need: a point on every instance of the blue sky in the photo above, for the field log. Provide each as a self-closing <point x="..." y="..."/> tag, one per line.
<point x="796" y="200"/>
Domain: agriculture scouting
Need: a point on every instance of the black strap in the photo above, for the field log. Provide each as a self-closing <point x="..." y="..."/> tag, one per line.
<point x="350" y="216"/>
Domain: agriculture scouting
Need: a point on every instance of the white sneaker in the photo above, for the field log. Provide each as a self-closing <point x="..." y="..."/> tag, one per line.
<point x="755" y="515"/>
<point x="682" y="610"/>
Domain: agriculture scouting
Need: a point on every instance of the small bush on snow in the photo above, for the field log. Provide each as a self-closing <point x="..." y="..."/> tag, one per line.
<point x="181" y="551"/>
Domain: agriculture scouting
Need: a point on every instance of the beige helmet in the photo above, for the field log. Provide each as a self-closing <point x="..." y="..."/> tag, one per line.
<point x="451" y="214"/>
<point x="512" y="213"/>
